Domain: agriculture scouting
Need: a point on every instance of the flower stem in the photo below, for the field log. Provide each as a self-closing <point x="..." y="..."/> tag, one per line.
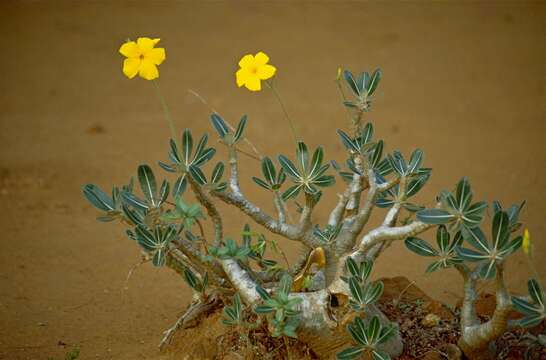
<point x="165" y="108"/>
<point x="279" y="100"/>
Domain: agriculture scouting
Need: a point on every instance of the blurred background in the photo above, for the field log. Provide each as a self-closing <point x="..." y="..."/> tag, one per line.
<point x="464" y="81"/>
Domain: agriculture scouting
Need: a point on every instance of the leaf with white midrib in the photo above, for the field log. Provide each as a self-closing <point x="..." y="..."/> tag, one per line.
<point x="536" y="293"/>
<point x="289" y="167"/>
<point x="187" y="145"/>
<point x="147" y="183"/>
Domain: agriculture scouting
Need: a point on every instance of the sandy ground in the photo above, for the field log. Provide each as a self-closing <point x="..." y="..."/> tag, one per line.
<point x="465" y="82"/>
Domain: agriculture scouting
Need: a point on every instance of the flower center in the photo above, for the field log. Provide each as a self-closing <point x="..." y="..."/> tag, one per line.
<point x="253" y="69"/>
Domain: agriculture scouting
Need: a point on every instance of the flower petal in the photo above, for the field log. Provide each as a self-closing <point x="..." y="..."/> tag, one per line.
<point x="246" y="61"/>
<point x="156" y="55"/>
<point x="148" y="70"/>
<point x="129" y="49"/>
<point x="131" y="66"/>
<point x="253" y="83"/>
<point x="265" y="72"/>
<point x="261" y="58"/>
<point x="146" y="44"/>
<point x="241" y="75"/>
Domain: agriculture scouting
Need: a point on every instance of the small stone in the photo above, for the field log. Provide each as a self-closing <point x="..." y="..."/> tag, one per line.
<point x="431" y="320"/>
<point x="452" y="351"/>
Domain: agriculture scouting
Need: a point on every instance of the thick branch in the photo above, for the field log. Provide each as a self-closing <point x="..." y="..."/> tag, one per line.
<point x="255" y="213"/>
<point x="364" y="214"/>
<point x="469" y="317"/>
<point x="373" y="238"/>
<point x="476" y="338"/>
<point x="384" y="233"/>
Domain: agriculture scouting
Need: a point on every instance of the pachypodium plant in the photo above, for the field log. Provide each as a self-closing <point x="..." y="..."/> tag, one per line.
<point x="338" y="314"/>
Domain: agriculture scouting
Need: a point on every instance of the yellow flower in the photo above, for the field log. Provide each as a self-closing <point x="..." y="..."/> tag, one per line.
<point x="338" y="76"/>
<point x="526" y="245"/>
<point x="254" y="69"/>
<point x="142" y="58"/>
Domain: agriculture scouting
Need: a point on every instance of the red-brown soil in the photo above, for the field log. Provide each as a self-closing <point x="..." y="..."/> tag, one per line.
<point x="463" y="81"/>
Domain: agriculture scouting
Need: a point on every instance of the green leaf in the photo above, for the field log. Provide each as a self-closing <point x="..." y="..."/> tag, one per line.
<point x="357" y="333"/>
<point x="135" y="217"/>
<point x="200" y="147"/>
<point x="362" y="82"/>
<point x="511" y="247"/>
<point x="384" y="167"/>
<point x="434" y="216"/>
<point x="240" y="129"/>
<point x="415" y="161"/>
<point x="261" y="183"/>
<point x="476" y="238"/>
<point x="367" y="133"/>
<point x="187" y="145"/>
<point x="166" y="167"/>
<point x="268" y="169"/>
<point x="191" y="279"/>
<point x="237" y="307"/>
<point x="380" y="355"/>
<point x="531" y="321"/>
<point x="471" y="255"/>
<point x="303" y="157"/>
<point x="434" y="266"/>
<point x="500" y="231"/>
<point x="347" y="141"/>
<point x="219" y="124"/>
<point x="463" y="194"/>
<point x="285" y="284"/>
<point x="290" y="330"/>
<point x="263" y="293"/>
<point x="133" y="201"/>
<point x="350" y="353"/>
<point x="449" y="201"/>
<point x="217" y="173"/>
<point x="487" y="270"/>
<point x="324" y="181"/>
<point x="536" y="293"/>
<point x="351" y="81"/>
<point x="316" y="162"/>
<point x="375" y="156"/>
<point x="525" y="307"/>
<point x="198" y="175"/>
<point x="373" y="330"/>
<point x="384" y="202"/>
<point x="159" y="258"/>
<point x="398" y="163"/>
<point x="442" y="238"/>
<point x="163" y="192"/>
<point x="97" y="197"/>
<point x="386" y="333"/>
<point x="289" y="167"/>
<point x="353" y="267"/>
<point x="412" y="207"/>
<point x="147" y="183"/>
<point x="263" y="309"/>
<point x="356" y="290"/>
<point x="174" y="152"/>
<point x="203" y="157"/>
<point x="473" y="215"/>
<point x="457" y="241"/>
<point x="372" y="292"/>
<point x="291" y="192"/>
<point x="420" y="247"/>
<point x="180" y="186"/>
<point x="374" y="82"/>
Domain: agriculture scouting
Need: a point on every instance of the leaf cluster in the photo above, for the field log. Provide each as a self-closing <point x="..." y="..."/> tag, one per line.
<point x="281" y="307"/>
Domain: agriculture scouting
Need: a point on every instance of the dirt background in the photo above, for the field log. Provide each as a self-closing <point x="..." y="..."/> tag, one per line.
<point x="463" y="81"/>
